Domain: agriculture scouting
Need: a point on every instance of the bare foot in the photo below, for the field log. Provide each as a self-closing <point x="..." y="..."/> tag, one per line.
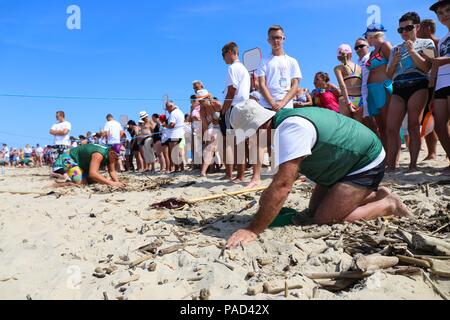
<point x="253" y="184"/>
<point x="238" y="180"/>
<point x="400" y="209"/>
<point x="430" y="157"/>
<point x="203" y="175"/>
<point x="382" y="193"/>
<point x="226" y="178"/>
<point x="412" y="169"/>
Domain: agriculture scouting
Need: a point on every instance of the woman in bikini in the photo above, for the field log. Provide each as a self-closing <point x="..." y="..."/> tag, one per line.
<point x="410" y="73"/>
<point x="379" y="84"/>
<point x="349" y="76"/>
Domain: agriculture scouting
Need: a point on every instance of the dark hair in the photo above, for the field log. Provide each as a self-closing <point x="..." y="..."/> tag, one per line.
<point x="324" y="76"/>
<point x="429" y="23"/>
<point x="155" y="115"/>
<point x="61" y="113"/>
<point x="275" y="27"/>
<point x="109" y="115"/>
<point x="131" y="123"/>
<point x="410" y="16"/>
<point x="231" y="46"/>
<point x="361" y="39"/>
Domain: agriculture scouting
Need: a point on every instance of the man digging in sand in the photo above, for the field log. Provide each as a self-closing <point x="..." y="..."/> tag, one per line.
<point x="344" y="158"/>
<point x="83" y="164"/>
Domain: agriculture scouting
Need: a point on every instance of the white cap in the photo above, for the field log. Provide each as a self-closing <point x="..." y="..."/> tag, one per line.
<point x="247" y="117"/>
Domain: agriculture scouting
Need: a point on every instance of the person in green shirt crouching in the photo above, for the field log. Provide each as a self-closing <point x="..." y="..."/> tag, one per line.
<point x="345" y="159"/>
<point x="86" y="161"/>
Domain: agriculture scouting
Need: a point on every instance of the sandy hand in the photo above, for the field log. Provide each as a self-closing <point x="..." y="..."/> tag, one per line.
<point x="118" y="184"/>
<point x="241" y="237"/>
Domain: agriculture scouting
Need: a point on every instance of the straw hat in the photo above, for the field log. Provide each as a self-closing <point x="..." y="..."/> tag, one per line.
<point x="248" y="117"/>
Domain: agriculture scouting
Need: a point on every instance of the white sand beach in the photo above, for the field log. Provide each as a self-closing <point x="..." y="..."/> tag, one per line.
<point x="52" y="245"/>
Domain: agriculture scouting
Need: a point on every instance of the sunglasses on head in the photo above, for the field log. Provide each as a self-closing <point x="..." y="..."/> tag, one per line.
<point x="360" y="46"/>
<point x="407" y="28"/>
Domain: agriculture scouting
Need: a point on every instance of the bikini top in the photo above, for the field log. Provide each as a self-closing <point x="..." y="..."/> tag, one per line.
<point x="376" y="60"/>
<point x="353" y="74"/>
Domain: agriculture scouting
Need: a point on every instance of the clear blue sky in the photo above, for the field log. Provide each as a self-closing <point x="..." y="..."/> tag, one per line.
<point x="146" y="49"/>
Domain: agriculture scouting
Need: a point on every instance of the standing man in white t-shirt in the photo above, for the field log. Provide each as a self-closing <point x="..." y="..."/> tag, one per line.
<point x="61" y="130"/>
<point x="113" y="133"/>
<point x="279" y="75"/>
<point x="238" y="90"/>
<point x="175" y="133"/>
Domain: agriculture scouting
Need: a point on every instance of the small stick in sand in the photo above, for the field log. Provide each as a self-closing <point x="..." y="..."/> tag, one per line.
<point x="441" y="228"/>
<point x="171" y="249"/>
<point x="141" y="260"/>
<point x="105" y="296"/>
<point x="435" y="287"/>
<point x="270" y="288"/>
<point x="192" y="254"/>
<point x="414" y="261"/>
<point x="132" y="279"/>
<point x="195" y="279"/>
<point x="222" y="252"/>
<point x="225" y="264"/>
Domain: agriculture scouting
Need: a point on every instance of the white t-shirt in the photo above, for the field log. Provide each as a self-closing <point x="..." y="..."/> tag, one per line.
<point x="294" y="138"/>
<point x="443" y="79"/>
<point x="279" y="72"/>
<point x="39" y="151"/>
<point x="177" y="117"/>
<point x="6" y="153"/>
<point x="239" y="78"/>
<point x="62" y="140"/>
<point x="113" y="128"/>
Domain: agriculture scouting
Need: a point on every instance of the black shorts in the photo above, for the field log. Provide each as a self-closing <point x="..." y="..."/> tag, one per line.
<point x="177" y="141"/>
<point x="370" y="179"/>
<point x="406" y="89"/>
<point x="224" y="121"/>
<point x="442" y="93"/>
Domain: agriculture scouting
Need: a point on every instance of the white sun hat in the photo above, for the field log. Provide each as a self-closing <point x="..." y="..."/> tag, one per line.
<point x="143" y="115"/>
<point x="247" y="117"/>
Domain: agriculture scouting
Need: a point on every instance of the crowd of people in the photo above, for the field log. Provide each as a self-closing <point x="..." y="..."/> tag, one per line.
<point x="391" y="90"/>
<point x="343" y="137"/>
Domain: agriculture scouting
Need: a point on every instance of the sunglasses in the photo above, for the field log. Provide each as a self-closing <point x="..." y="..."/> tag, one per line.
<point x="407" y="28"/>
<point x="276" y="38"/>
<point x="360" y="46"/>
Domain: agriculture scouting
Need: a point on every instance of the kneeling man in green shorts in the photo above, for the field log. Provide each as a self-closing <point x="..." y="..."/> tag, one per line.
<point x="345" y="159"/>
